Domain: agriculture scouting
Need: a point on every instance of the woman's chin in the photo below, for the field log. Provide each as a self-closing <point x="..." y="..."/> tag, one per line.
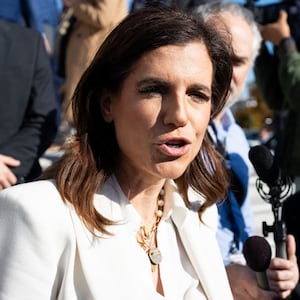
<point x="172" y="171"/>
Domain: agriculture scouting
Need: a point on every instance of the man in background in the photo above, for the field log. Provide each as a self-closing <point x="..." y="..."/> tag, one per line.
<point x="278" y="78"/>
<point x="27" y="103"/>
<point x="235" y="214"/>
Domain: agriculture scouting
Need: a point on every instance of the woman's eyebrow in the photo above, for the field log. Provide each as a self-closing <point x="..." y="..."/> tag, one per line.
<point x="162" y="82"/>
<point x="153" y="81"/>
<point x="200" y="87"/>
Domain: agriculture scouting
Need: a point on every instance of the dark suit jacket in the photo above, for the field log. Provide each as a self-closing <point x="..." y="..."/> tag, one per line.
<point x="27" y="100"/>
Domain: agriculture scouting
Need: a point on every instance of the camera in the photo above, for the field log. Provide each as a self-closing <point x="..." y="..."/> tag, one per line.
<point x="269" y="13"/>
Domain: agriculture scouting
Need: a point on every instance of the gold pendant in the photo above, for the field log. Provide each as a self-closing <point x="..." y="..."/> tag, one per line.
<point x="155" y="256"/>
<point x="154" y="268"/>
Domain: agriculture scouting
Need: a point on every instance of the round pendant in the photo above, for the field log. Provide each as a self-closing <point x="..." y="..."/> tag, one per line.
<point x="155" y="256"/>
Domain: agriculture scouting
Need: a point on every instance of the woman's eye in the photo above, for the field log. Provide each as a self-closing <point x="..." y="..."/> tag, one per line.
<point x="198" y="96"/>
<point x="152" y="90"/>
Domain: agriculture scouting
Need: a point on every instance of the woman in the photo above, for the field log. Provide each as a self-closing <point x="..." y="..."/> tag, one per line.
<point x="129" y="210"/>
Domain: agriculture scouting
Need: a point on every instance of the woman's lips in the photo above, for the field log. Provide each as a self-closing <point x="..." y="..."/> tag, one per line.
<point x="175" y="147"/>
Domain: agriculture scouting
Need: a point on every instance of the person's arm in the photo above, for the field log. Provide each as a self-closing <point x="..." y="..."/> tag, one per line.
<point x="282" y="274"/>
<point x="39" y="124"/>
<point x="267" y="65"/>
<point x="243" y="284"/>
<point x="288" y="69"/>
<point x="102" y="14"/>
<point x="266" y="78"/>
<point x="289" y="74"/>
<point x="275" y="32"/>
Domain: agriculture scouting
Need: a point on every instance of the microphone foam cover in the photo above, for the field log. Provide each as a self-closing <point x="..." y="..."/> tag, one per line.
<point x="257" y="253"/>
<point x="261" y="156"/>
<point x="263" y="163"/>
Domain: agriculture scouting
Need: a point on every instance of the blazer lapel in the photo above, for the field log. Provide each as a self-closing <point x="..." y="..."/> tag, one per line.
<point x="202" y="248"/>
<point x="103" y="263"/>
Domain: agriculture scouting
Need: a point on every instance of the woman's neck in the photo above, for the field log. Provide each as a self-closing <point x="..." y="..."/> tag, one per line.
<point x="142" y="195"/>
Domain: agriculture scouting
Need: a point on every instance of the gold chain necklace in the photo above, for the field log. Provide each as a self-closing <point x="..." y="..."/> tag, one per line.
<point x="146" y="236"/>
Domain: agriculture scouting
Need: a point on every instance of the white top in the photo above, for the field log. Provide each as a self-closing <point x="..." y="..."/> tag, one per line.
<point x="47" y="252"/>
<point x="180" y="281"/>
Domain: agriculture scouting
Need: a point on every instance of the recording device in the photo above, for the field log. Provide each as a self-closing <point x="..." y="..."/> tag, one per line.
<point x="264" y="14"/>
<point x="279" y="185"/>
<point x="269" y="13"/>
<point x="258" y="253"/>
<point x="273" y="187"/>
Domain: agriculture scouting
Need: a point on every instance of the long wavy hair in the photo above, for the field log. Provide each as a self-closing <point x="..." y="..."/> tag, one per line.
<point x="93" y="154"/>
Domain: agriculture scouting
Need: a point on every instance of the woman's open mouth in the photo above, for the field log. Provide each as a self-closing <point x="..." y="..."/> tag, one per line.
<point x="175" y="147"/>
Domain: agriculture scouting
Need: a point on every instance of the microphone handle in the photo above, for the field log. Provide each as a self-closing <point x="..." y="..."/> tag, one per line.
<point x="280" y="238"/>
<point x="262" y="280"/>
<point x="281" y="249"/>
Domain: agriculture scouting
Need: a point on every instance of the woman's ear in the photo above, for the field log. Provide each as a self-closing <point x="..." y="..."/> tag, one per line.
<point x="106" y="108"/>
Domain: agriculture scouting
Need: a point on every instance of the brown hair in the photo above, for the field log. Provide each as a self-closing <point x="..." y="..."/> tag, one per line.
<point x="93" y="155"/>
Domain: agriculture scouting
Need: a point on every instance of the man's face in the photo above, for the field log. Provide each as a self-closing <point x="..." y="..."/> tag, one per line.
<point x="242" y="40"/>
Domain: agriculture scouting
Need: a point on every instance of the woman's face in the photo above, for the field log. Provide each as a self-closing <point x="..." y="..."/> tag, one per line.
<point x="162" y="111"/>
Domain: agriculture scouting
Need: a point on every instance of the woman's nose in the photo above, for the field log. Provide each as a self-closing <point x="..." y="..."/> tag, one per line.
<point x="175" y="110"/>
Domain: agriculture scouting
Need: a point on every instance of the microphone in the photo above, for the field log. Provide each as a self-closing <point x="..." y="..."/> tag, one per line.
<point x="257" y="253"/>
<point x="279" y="188"/>
<point x="264" y="165"/>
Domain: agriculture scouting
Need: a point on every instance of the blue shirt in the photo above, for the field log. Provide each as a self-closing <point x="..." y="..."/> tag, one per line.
<point x="11" y="10"/>
<point x="233" y="138"/>
<point x="33" y="13"/>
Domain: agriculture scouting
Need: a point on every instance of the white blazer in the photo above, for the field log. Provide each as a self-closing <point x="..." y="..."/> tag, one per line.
<point x="47" y="253"/>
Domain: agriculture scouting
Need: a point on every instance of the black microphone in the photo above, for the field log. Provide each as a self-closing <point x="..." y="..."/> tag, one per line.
<point x="279" y="188"/>
<point x="264" y="165"/>
<point x="257" y="253"/>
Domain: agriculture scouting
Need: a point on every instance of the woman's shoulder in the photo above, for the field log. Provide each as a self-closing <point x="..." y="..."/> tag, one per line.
<point x="41" y="192"/>
<point x="37" y="201"/>
<point x="37" y="238"/>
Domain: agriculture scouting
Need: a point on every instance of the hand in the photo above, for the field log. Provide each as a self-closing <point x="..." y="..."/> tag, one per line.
<point x="7" y="177"/>
<point x="275" y="32"/>
<point x="283" y="274"/>
<point x="244" y="285"/>
<point x="47" y="44"/>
